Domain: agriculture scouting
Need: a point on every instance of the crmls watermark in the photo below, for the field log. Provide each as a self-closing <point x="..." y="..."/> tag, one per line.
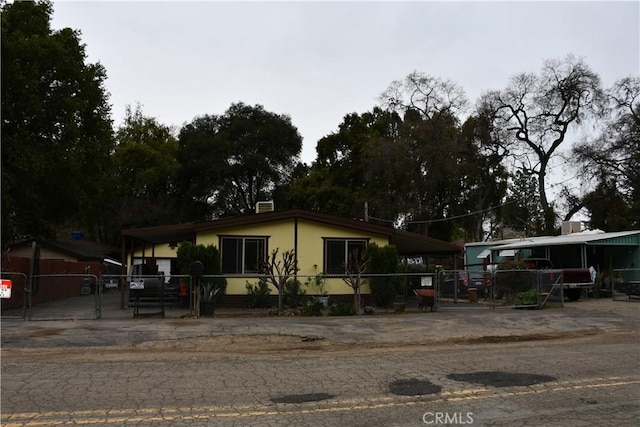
<point x="447" y="418"/>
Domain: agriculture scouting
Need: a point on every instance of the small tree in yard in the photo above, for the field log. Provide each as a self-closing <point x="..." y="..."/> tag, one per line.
<point x="279" y="271"/>
<point x="354" y="269"/>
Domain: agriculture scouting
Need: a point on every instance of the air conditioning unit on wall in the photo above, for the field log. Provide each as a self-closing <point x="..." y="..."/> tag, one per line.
<point x="264" y="206"/>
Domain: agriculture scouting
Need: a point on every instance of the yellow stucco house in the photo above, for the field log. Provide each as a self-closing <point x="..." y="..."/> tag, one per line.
<point x="320" y="242"/>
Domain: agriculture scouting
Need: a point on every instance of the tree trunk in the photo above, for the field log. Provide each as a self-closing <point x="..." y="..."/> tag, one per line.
<point x="549" y="213"/>
<point x="356" y="299"/>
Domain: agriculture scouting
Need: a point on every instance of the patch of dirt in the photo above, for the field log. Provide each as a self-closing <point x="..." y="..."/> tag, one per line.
<point x="41" y="333"/>
<point x="495" y="339"/>
<point x="253" y="344"/>
<point x="277" y="346"/>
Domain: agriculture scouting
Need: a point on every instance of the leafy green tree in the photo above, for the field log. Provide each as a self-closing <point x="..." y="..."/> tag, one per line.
<point x="430" y="141"/>
<point x="522" y="211"/>
<point x="613" y="159"/>
<point x="432" y="157"/>
<point x="146" y="169"/>
<point x="418" y="171"/>
<point x="202" y="159"/>
<point x="483" y="175"/>
<point x="56" y="131"/>
<point x="608" y="208"/>
<point x="338" y="182"/>
<point x="230" y="162"/>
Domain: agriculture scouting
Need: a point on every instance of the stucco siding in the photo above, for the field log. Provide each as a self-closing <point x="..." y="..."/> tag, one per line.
<point x="306" y="237"/>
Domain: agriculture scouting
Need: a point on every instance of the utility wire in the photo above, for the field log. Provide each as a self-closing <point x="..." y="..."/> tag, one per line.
<point x="430" y="221"/>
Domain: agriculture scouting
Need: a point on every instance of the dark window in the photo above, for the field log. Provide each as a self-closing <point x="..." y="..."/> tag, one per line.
<point x="241" y="255"/>
<point x="339" y="252"/>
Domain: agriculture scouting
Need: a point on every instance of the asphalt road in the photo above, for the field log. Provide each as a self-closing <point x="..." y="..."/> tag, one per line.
<point x="345" y="372"/>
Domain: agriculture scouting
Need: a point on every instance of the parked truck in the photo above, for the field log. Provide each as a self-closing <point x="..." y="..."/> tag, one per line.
<point x="574" y="280"/>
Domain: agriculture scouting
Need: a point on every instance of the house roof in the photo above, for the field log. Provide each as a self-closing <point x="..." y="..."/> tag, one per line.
<point x="406" y="242"/>
<point x="82" y="249"/>
<point x="591" y="237"/>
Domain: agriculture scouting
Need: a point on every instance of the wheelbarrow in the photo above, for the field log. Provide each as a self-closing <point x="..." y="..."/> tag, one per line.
<point x="426" y="298"/>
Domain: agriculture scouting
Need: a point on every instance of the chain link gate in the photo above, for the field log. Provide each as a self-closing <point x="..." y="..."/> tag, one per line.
<point x="64" y="297"/>
<point x="463" y="290"/>
<point x="480" y="290"/>
<point x="148" y="295"/>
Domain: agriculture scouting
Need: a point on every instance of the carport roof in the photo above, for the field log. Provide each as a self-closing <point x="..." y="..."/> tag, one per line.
<point x="592" y="237"/>
<point x="406" y="242"/>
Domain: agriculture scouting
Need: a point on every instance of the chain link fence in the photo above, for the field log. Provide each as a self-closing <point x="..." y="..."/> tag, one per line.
<point x="64" y="297"/>
<point x="429" y="291"/>
<point x="527" y="288"/>
<point x="147" y="295"/>
<point x="85" y="296"/>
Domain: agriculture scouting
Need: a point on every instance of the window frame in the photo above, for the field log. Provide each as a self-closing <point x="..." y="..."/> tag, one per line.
<point x="329" y="270"/>
<point x="241" y="260"/>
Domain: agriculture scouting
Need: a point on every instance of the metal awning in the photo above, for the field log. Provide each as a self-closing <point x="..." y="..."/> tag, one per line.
<point x="484" y="254"/>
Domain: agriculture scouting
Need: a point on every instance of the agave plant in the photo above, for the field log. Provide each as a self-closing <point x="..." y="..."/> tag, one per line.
<point x="209" y="292"/>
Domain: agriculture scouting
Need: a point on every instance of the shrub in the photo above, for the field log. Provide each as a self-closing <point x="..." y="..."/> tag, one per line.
<point x="342" y="309"/>
<point x="312" y="307"/>
<point x="317" y="283"/>
<point x="384" y="260"/>
<point x="529" y="297"/>
<point x="512" y="278"/>
<point x="209" y="256"/>
<point x="258" y="296"/>
<point x="293" y="293"/>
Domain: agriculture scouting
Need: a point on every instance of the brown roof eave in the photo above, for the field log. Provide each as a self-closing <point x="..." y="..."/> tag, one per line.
<point x="293" y="214"/>
<point x="162" y="233"/>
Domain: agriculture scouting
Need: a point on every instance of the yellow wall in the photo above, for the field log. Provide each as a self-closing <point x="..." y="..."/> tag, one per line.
<point x="282" y="235"/>
<point x="159" y="251"/>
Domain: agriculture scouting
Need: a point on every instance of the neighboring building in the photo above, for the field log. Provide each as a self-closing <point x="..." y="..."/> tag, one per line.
<point x="56" y="257"/>
<point x="321" y="243"/>
<point x="603" y="251"/>
<point x="72" y="250"/>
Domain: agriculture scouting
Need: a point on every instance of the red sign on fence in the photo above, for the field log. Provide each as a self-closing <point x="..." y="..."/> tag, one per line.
<point x="5" y="288"/>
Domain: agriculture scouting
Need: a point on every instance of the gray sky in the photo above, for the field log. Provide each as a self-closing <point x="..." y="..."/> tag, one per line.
<point x="318" y="61"/>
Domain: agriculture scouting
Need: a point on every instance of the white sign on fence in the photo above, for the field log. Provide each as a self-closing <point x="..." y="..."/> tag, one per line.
<point x="426" y="281"/>
<point x="5" y="288"/>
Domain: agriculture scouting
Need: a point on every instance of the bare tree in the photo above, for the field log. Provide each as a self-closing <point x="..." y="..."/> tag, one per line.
<point x="354" y="269"/>
<point x="279" y="271"/>
<point x="537" y="111"/>
<point x="426" y="94"/>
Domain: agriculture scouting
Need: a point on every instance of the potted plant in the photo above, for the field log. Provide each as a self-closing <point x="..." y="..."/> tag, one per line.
<point x="209" y="293"/>
<point x="318" y="282"/>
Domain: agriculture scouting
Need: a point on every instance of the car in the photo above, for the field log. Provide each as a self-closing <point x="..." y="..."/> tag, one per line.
<point x="479" y="280"/>
<point x="466" y="279"/>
